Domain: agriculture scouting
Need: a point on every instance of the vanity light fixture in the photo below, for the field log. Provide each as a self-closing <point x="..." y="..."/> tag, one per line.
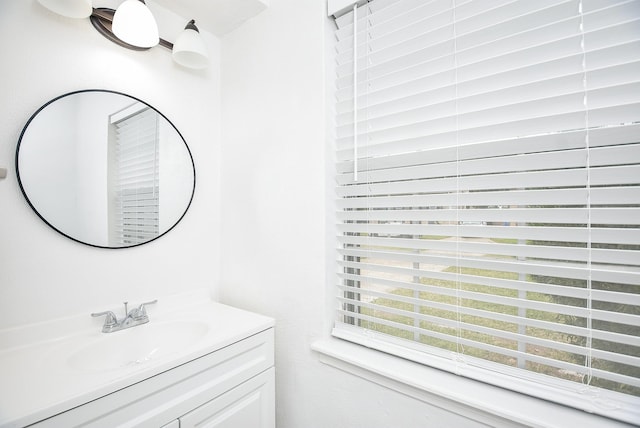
<point x="133" y="26"/>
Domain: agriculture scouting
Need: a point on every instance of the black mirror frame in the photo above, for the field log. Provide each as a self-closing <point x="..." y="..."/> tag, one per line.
<point x="24" y="193"/>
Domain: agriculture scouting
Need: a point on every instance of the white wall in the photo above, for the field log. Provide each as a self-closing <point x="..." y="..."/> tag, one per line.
<point x="273" y="217"/>
<point x="44" y="275"/>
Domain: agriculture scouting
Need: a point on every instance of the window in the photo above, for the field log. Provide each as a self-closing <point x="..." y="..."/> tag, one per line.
<point x="134" y="176"/>
<point x="488" y="192"/>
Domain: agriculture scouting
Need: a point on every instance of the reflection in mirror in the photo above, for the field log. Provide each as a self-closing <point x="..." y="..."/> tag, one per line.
<point x="105" y="169"/>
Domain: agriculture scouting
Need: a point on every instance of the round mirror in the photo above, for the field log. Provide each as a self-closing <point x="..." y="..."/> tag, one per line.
<point x="105" y="169"/>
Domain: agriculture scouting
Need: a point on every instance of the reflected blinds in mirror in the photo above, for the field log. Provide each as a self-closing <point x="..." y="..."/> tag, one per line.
<point x="135" y="179"/>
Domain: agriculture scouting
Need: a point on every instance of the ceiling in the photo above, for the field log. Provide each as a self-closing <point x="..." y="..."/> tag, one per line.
<point x="216" y="16"/>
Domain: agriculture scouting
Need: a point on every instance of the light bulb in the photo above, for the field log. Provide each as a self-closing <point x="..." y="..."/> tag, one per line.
<point x="133" y="23"/>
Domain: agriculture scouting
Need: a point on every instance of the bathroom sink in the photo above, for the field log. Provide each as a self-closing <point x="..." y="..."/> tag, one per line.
<point x="54" y="367"/>
<point x="136" y="346"/>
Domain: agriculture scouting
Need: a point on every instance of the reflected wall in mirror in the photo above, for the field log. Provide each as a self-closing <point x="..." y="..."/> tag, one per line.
<point x="105" y="169"/>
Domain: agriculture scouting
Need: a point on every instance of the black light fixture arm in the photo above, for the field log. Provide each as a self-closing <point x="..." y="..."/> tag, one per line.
<point x="191" y="25"/>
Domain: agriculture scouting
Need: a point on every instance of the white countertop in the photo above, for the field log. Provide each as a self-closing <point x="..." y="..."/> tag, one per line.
<point x="37" y="381"/>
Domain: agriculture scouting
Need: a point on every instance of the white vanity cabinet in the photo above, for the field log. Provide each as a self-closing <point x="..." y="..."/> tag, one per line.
<point x="232" y="387"/>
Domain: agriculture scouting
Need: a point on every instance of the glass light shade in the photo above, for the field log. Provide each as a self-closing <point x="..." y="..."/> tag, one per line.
<point x="69" y="8"/>
<point x="133" y="23"/>
<point x="190" y="51"/>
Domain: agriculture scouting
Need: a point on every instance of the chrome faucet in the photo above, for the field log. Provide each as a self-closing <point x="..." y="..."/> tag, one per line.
<point x="131" y="318"/>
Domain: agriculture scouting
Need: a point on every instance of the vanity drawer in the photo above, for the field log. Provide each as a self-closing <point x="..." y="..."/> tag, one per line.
<point x="163" y="398"/>
<point x="249" y="405"/>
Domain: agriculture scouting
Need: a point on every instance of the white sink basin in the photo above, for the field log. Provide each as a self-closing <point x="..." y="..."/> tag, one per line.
<point x="136" y="345"/>
<point x="48" y="368"/>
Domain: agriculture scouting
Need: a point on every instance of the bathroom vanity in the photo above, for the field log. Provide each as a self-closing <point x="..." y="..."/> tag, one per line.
<point x="193" y="364"/>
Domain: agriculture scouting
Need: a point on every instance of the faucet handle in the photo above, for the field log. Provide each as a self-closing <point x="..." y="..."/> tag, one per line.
<point x="110" y="320"/>
<point x="141" y="312"/>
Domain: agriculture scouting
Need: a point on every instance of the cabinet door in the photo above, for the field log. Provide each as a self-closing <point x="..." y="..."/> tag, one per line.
<point x="249" y="405"/>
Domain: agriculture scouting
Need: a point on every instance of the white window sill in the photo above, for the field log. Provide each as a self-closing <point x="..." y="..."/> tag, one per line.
<point x="475" y="400"/>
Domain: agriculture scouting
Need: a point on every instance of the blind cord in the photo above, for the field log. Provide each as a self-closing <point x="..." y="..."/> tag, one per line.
<point x="355" y="92"/>
<point x="589" y="338"/>
<point x="459" y="358"/>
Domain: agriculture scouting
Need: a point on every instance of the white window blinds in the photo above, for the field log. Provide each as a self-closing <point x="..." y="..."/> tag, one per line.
<point x="134" y="181"/>
<point x="488" y="192"/>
